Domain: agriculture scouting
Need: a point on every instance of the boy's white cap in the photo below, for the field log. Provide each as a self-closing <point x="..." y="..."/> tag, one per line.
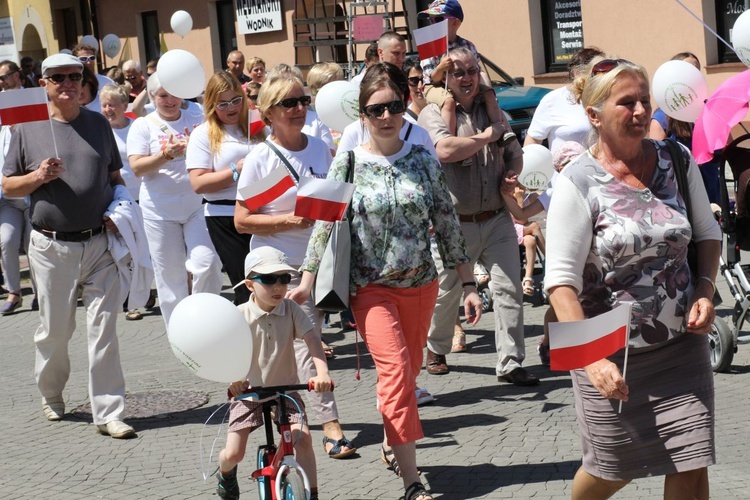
<point x="60" y="61"/>
<point x="266" y="260"/>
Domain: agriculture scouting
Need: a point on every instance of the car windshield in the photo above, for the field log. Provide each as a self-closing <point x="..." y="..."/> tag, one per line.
<point x="496" y="75"/>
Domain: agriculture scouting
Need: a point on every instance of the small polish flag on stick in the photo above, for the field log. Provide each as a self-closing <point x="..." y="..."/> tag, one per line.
<point x="255" y="122"/>
<point x="432" y="40"/>
<point x="322" y="199"/>
<point x="575" y="344"/>
<point x="262" y="192"/>
<point x="23" y="105"/>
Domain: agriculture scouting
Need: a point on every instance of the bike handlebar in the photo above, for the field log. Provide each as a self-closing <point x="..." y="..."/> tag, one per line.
<point x="270" y="391"/>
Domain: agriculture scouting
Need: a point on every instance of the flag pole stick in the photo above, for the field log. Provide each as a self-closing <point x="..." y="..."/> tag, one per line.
<point x="627" y="349"/>
<point x="54" y="141"/>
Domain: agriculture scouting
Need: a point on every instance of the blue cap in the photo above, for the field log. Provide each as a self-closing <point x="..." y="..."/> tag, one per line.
<point x="443" y="8"/>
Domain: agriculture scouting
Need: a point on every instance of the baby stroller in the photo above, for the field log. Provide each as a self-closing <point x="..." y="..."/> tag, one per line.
<point x="734" y="220"/>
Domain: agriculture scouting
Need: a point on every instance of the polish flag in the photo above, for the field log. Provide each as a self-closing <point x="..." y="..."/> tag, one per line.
<point x="432" y="40"/>
<point x="322" y="199"/>
<point x="575" y="344"/>
<point x="262" y="192"/>
<point x="23" y="105"/>
<point x="255" y="122"/>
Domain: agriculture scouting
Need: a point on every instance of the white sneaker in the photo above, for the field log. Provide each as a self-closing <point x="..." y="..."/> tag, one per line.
<point x="117" y="429"/>
<point x="423" y="397"/>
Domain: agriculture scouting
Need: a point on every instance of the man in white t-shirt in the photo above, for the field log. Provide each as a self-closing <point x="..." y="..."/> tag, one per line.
<point x="391" y="49"/>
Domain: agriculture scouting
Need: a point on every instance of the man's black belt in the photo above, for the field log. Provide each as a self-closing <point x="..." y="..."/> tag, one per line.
<point x="480" y="216"/>
<point x="226" y="203"/>
<point x="77" y="236"/>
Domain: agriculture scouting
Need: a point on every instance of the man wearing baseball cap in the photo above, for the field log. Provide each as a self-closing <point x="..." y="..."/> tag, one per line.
<point x="71" y="181"/>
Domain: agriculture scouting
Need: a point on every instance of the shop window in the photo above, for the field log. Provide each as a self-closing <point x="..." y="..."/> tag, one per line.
<point x="152" y="45"/>
<point x="727" y="12"/>
<point x="563" y="32"/>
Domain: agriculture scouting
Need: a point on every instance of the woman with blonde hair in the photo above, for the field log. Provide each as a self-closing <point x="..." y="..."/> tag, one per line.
<point x="256" y="68"/>
<point x="215" y="155"/>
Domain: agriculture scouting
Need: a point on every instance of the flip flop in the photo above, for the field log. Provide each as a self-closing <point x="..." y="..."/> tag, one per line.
<point x="338" y="446"/>
<point x="459" y="341"/>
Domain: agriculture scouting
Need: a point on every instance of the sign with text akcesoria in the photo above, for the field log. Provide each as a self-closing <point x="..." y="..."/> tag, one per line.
<point x="258" y="16"/>
<point x="566" y="30"/>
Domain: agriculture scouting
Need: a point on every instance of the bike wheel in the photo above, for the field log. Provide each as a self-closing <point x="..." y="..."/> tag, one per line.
<point x="292" y="486"/>
<point x="264" y="483"/>
<point x="721" y="343"/>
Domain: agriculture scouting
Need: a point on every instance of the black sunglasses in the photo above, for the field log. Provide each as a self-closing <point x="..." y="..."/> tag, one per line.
<point x="7" y="75"/>
<point x="253" y="97"/>
<point x="461" y="73"/>
<point x="134" y="77"/>
<point x="272" y="279"/>
<point x="607" y="65"/>
<point x="292" y="102"/>
<point x="222" y="105"/>
<point x="414" y="80"/>
<point x="60" y="77"/>
<point x="378" y="110"/>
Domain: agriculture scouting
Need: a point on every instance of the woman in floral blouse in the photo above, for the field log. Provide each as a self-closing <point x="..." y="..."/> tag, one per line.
<point x="400" y="193"/>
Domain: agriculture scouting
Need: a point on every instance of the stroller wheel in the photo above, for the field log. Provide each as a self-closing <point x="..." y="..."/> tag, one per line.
<point x="721" y="344"/>
<point x="486" y="295"/>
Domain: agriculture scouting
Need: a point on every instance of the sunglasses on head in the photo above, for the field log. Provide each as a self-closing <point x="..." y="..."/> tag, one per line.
<point x="7" y="75"/>
<point x="272" y="279"/>
<point x="414" y="80"/>
<point x="378" y="110"/>
<point x="222" y="105"/>
<point x="461" y="73"/>
<point x="60" y="77"/>
<point x="607" y="65"/>
<point x="85" y="59"/>
<point x="253" y="97"/>
<point x="292" y="102"/>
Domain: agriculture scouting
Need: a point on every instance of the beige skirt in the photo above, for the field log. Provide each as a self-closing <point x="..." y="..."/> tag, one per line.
<point x="668" y="424"/>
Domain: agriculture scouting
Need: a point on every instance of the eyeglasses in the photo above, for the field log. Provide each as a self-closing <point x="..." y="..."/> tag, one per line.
<point x="253" y="97"/>
<point x="272" y="279"/>
<point x="378" y="110"/>
<point x="292" y="102"/>
<point x="7" y="75"/>
<point x="607" y="65"/>
<point x="461" y="73"/>
<point x="85" y="59"/>
<point x="60" y="77"/>
<point x="222" y="105"/>
<point x="414" y="80"/>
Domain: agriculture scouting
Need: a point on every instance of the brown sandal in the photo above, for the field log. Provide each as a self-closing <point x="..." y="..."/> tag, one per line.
<point x="459" y="341"/>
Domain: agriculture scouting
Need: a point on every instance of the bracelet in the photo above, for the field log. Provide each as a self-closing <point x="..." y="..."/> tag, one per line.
<point x="166" y="156"/>
<point x="713" y="285"/>
<point x="235" y="174"/>
<point x="469" y="283"/>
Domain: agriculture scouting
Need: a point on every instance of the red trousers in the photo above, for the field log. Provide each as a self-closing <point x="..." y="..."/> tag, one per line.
<point x="394" y="323"/>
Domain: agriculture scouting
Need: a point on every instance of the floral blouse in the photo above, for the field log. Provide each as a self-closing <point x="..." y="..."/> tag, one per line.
<point x="616" y="243"/>
<point x="396" y="201"/>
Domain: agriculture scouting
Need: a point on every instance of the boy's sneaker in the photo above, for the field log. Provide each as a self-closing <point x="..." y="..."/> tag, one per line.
<point x="228" y="487"/>
<point x="423" y="397"/>
<point x="543" y="351"/>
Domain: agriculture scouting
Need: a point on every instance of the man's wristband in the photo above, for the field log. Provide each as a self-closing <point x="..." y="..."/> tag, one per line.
<point x="713" y="285"/>
<point x="235" y="174"/>
<point x="469" y="283"/>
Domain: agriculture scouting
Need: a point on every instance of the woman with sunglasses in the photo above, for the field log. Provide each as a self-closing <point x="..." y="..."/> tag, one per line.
<point x="618" y="233"/>
<point x="172" y="212"/>
<point x="400" y="195"/>
<point x="416" y="88"/>
<point x="214" y="158"/>
<point x="283" y="106"/>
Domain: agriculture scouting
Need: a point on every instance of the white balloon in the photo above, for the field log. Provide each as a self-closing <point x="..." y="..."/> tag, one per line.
<point x="337" y="104"/>
<point x="537" y="167"/>
<point x="181" y="74"/>
<point x="680" y="90"/>
<point x="210" y="336"/>
<point x="181" y="22"/>
<point x="91" y="41"/>
<point x="741" y="37"/>
<point x="111" y="45"/>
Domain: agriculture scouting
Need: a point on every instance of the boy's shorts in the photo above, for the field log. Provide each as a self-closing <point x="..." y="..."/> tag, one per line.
<point x="438" y="94"/>
<point x="244" y="413"/>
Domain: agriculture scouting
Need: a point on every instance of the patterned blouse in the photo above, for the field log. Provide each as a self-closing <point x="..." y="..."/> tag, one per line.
<point x="634" y="243"/>
<point x="396" y="201"/>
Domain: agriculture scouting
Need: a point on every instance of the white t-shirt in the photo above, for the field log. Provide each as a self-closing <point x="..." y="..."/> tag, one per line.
<point x="316" y="128"/>
<point x="356" y="134"/>
<point x="192" y="109"/>
<point x="95" y="105"/>
<point x="166" y="194"/>
<point x="234" y="147"/>
<point x="132" y="182"/>
<point x="313" y="161"/>
<point x="558" y="118"/>
<point x="357" y="79"/>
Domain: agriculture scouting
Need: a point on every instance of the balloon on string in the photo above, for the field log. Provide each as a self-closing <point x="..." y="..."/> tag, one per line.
<point x="211" y="338"/>
<point x="537" y="167"/>
<point x="91" y="41"/>
<point x="741" y="37"/>
<point x="111" y="45"/>
<point x="181" y="22"/>
<point x="680" y="90"/>
<point x="337" y="104"/>
<point x="181" y="74"/>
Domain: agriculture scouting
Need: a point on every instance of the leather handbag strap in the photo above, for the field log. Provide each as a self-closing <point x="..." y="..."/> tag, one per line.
<point x="680" y="171"/>
<point x="283" y="160"/>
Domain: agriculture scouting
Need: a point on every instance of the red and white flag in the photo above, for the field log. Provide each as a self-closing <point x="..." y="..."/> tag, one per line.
<point x="23" y="105"/>
<point x="432" y="40"/>
<point x="262" y="192"/>
<point x="255" y="122"/>
<point x="575" y="344"/>
<point x="322" y="199"/>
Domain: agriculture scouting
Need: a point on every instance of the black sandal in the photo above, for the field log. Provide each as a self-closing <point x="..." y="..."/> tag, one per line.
<point x="338" y="447"/>
<point x="389" y="459"/>
<point x="416" y="490"/>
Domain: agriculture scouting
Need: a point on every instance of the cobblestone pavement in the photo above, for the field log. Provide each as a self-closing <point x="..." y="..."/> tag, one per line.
<point x="483" y="439"/>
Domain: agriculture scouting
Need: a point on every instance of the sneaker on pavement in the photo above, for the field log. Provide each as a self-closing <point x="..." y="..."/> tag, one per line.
<point x="423" y="397"/>
<point x="53" y="408"/>
<point x="543" y="351"/>
<point x="228" y="487"/>
<point x="116" y="429"/>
